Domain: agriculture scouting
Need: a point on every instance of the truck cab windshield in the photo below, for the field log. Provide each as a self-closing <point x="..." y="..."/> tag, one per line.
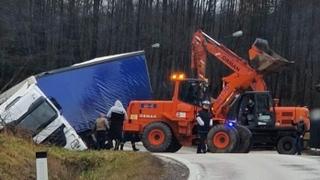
<point x="38" y="117"/>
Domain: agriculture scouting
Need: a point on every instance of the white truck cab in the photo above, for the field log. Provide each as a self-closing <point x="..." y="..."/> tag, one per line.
<point x="26" y="106"/>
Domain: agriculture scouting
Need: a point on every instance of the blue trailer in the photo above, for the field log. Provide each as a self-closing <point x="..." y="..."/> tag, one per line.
<point x="86" y="89"/>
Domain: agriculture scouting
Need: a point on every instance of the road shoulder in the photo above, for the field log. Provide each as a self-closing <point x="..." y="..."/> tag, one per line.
<point x="193" y="171"/>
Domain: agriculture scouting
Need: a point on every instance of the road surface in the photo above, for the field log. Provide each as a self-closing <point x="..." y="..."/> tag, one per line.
<point x="257" y="165"/>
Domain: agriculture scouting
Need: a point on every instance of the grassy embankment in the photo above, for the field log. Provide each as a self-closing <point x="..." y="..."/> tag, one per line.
<point x="17" y="161"/>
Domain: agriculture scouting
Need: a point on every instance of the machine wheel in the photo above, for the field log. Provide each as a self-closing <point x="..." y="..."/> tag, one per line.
<point x="174" y="146"/>
<point x="157" y="137"/>
<point x="245" y="139"/>
<point x="222" y="139"/>
<point x="286" y="145"/>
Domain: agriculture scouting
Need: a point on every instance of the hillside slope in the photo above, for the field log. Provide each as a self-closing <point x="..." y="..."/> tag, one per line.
<point x="18" y="155"/>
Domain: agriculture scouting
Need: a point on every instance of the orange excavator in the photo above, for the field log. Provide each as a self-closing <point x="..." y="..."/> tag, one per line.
<point x="242" y="118"/>
<point x="243" y="75"/>
<point x="269" y="123"/>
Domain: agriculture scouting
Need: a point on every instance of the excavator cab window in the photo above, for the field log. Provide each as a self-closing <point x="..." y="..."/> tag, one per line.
<point x="247" y="110"/>
<point x="254" y="109"/>
<point x="193" y="92"/>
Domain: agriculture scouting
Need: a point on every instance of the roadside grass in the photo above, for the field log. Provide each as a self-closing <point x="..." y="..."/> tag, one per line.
<point x="17" y="161"/>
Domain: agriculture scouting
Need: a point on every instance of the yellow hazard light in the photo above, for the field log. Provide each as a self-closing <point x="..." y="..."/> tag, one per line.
<point x="181" y="76"/>
<point x="133" y="116"/>
<point x="174" y="76"/>
<point x="178" y="76"/>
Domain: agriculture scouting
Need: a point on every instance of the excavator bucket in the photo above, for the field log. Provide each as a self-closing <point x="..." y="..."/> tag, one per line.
<point x="264" y="59"/>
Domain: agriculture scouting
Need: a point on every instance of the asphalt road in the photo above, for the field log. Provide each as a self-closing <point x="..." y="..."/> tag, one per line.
<point x="256" y="165"/>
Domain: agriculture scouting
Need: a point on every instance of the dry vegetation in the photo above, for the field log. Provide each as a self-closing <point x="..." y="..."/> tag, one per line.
<point x="18" y="162"/>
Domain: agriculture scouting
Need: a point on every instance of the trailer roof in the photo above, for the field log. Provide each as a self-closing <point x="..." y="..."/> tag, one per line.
<point x="92" y="62"/>
<point x="8" y="93"/>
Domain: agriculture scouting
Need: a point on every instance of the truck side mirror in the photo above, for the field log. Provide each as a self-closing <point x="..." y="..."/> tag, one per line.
<point x="56" y="104"/>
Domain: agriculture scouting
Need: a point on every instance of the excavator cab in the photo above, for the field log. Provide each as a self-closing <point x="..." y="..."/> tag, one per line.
<point x="253" y="109"/>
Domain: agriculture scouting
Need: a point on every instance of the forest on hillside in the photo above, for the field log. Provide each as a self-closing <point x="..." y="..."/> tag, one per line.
<point x="39" y="35"/>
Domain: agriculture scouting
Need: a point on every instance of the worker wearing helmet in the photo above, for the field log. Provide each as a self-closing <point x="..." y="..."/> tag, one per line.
<point x="204" y="122"/>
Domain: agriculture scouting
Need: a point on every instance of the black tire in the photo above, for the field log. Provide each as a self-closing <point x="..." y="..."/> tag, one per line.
<point x="245" y="136"/>
<point x="286" y="145"/>
<point x="227" y="136"/>
<point x="150" y="140"/>
<point x="174" y="146"/>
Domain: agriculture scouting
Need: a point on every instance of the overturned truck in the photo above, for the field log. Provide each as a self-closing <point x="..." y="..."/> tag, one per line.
<point x="60" y="106"/>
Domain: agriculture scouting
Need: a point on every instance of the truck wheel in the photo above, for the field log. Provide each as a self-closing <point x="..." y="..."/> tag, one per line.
<point x="156" y="137"/>
<point x="174" y="146"/>
<point x="245" y="139"/>
<point x="222" y="139"/>
<point x="286" y="145"/>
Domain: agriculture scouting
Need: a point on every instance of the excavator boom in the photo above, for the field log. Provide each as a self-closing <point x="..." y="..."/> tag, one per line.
<point x="263" y="59"/>
<point x="244" y="75"/>
<point x="202" y="43"/>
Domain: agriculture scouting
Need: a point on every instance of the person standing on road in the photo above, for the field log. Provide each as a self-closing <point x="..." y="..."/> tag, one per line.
<point x="204" y="122"/>
<point x="101" y="127"/>
<point x="299" y="137"/>
<point x="116" y="115"/>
